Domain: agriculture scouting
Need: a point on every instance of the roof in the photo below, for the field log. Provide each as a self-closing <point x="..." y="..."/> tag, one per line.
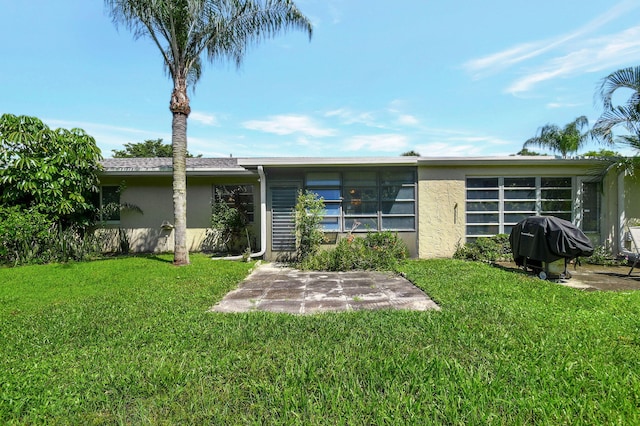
<point x="512" y="160"/>
<point x="162" y="165"/>
<point x="235" y="166"/>
<point x="327" y="161"/>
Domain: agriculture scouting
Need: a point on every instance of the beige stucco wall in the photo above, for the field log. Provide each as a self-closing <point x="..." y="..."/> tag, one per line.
<point x="441" y="195"/>
<point x="154" y="196"/>
<point x="442" y="200"/>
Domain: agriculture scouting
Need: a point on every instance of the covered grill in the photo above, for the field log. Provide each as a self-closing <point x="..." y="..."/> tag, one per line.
<point x="542" y="243"/>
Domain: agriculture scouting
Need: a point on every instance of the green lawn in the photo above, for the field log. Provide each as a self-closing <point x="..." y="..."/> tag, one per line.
<point x="130" y="341"/>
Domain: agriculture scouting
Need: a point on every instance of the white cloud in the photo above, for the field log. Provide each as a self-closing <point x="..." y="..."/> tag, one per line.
<point x="382" y="143"/>
<point x="408" y="120"/>
<point x="348" y="116"/>
<point x="592" y="55"/>
<point x="203" y="118"/>
<point x="566" y="54"/>
<point x="289" y="124"/>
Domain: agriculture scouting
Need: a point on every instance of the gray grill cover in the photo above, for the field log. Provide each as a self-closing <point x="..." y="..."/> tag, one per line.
<point x="547" y="239"/>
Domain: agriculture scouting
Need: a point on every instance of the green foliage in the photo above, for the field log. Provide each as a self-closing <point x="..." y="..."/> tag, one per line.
<point x="229" y="222"/>
<point x="566" y="140"/>
<point x="56" y="170"/>
<point x="308" y="213"/>
<point x="147" y="149"/>
<point x="602" y="256"/>
<point x="30" y="236"/>
<point x="130" y="341"/>
<point x="411" y="153"/>
<point x="525" y="151"/>
<point x="485" y="249"/>
<point x="602" y="153"/>
<point x="380" y="251"/>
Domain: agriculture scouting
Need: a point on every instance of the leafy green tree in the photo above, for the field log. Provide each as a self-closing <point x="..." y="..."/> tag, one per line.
<point x="147" y="149"/>
<point x="525" y="151"/>
<point x="566" y="140"/>
<point x="185" y="31"/>
<point x="602" y="153"/>
<point x="53" y="170"/>
<point x="411" y="153"/>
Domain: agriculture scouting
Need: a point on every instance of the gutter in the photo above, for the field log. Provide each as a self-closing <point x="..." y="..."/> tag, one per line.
<point x="622" y="220"/>
<point x="263" y="221"/>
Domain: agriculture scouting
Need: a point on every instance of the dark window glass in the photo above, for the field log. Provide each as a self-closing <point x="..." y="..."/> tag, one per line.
<point x="482" y="182"/>
<point x="482" y="195"/>
<point x="555" y="182"/>
<point x="477" y="206"/>
<point x="526" y="182"/>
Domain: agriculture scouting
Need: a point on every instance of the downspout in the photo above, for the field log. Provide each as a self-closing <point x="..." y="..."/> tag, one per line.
<point x="622" y="220"/>
<point x="263" y="221"/>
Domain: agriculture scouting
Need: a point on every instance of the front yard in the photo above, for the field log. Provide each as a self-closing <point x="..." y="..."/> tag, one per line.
<point x="130" y="341"/>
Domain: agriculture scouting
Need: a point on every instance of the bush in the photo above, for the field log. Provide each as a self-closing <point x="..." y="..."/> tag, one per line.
<point x="309" y="212"/>
<point x="485" y="249"/>
<point x="379" y="251"/>
<point x="30" y="236"/>
<point x="602" y="256"/>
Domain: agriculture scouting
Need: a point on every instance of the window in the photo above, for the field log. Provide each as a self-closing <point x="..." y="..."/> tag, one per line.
<point x="239" y="197"/>
<point x="327" y="186"/>
<point x="496" y="204"/>
<point x="366" y="200"/>
<point x="110" y="203"/>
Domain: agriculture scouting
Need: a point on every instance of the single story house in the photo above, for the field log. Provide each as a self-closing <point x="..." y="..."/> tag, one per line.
<point x="434" y="204"/>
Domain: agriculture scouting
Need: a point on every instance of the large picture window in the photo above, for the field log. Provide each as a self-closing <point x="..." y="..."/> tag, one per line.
<point x="365" y="200"/>
<point x="496" y="204"/>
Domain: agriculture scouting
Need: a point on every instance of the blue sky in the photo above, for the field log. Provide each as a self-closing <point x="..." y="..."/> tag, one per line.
<point x="378" y="78"/>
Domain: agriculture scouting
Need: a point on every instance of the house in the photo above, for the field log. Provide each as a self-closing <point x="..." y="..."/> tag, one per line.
<point x="433" y="204"/>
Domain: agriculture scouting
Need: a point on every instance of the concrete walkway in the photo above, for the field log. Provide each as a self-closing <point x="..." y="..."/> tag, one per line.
<point x="278" y="289"/>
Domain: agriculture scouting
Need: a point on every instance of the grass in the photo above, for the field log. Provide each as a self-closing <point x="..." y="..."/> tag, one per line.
<point x="130" y="341"/>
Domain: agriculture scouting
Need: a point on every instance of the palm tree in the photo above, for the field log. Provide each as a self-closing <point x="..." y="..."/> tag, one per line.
<point x="566" y="140"/>
<point x="186" y="30"/>
<point x="626" y="115"/>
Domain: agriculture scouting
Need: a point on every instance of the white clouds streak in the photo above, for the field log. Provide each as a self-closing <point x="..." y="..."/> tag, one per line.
<point x="381" y="143"/>
<point x="203" y="118"/>
<point x="565" y="55"/>
<point x="289" y="124"/>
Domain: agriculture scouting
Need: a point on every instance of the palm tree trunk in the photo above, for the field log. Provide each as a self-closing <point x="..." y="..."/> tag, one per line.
<point x="180" y="109"/>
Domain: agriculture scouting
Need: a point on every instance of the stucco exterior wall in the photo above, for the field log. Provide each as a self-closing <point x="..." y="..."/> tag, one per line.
<point x="154" y="196"/>
<point x="442" y="199"/>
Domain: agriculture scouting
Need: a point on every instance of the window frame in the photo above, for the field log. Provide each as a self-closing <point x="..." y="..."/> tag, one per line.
<point x="501" y="201"/>
<point x="348" y="185"/>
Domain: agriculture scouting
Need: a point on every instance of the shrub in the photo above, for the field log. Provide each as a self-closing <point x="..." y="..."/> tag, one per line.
<point x="229" y="222"/>
<point x="309" y="212"/>
<point x="485" y="249"/>
<point x="30" y="236"/>
<point x="380" y="251"/>
<point x="602" y="256"/>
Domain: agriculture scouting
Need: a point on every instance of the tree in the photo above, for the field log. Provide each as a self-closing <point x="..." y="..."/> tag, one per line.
<point x="53" y="170"/>
<point x="411" y="153"/>
<point x="626" y="115"/>
<point x="602" y="153"/>
<point x="186" y="30"/>
<point x="147" y="149"/>
<point x="525" y="151"/>
<point x="566" y="140"/>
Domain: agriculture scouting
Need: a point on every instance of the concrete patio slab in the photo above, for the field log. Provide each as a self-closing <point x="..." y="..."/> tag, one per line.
<point x="274" y="288"/>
